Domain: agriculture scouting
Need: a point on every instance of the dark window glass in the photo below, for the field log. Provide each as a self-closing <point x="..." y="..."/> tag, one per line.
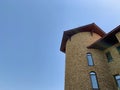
<point x="117" y="79"/>
<point x="94" y="81"/>
<point x="109" y="57"/>
<point x="90" y="59"/>
<point x="118" y="48"/>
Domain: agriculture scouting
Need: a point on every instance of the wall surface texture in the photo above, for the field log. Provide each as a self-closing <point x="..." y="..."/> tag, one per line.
<point x="77" y="75"/>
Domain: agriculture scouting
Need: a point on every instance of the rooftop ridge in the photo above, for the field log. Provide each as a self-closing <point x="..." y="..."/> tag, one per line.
<point x="86" y="28"/>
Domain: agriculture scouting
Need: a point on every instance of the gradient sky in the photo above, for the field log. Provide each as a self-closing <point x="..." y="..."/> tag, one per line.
<point x="31" y="33"/>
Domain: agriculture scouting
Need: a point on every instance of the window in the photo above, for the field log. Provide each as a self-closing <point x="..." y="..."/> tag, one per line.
<point x="94" y="81"/>
<point x="109" y="57"/>
<point x="90" y="59"/>
<point x="117" y="79"/>
<point x="118" y="48"/>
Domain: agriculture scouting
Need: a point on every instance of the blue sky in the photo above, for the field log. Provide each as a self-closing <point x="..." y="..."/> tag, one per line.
<point x="31" y="33"/>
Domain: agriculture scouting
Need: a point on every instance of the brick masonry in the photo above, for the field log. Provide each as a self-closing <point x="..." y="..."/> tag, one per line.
<point x="77" y="74"/>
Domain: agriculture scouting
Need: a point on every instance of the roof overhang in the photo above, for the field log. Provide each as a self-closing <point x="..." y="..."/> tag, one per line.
<point x="107" y="41"/>
<point x="87" y="28"/>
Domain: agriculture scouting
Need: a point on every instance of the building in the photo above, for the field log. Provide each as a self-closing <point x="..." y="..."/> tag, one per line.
<point x="92" y="58"/>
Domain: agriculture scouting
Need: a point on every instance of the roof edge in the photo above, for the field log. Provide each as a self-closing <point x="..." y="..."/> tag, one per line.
<point x="86" y="28"/>
<point x="112" y="32"/>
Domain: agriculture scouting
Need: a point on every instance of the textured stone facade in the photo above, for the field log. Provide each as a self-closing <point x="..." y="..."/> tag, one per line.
<point x="77" y="71"/>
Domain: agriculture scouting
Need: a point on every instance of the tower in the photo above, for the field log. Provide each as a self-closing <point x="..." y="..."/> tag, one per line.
<point x="92" y="58"/>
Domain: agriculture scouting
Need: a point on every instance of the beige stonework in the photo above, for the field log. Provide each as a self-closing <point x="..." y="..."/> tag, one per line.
<point x="76" y="43"/>
<point x="114" y="66"/>
<point x="77" y="69"/>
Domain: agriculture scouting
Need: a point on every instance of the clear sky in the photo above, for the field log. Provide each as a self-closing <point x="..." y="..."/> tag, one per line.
<point x="31" y="33"/>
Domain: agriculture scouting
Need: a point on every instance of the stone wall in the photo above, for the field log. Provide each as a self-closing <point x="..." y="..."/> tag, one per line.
<point x="77" y="70"/>
<point x="114" y="65"/>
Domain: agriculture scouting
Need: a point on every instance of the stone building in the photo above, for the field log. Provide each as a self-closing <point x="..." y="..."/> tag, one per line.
<point x="92" y="58"/>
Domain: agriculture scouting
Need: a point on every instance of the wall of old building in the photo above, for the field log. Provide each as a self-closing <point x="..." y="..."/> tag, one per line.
<point x="77" y="70"/>
<point x="114" y="65"/>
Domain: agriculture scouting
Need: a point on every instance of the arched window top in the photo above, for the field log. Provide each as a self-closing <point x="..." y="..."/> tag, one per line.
<point x="92" y="73"/>
<point x="94" y="81"/>
<point x="88" y="53"/>
<point x="89" y="59"/>
<point x="117" y="79"/>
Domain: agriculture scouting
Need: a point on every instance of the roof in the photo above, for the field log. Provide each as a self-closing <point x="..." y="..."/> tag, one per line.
<point x="87" y="28"/>
<point x="107" y="41"/>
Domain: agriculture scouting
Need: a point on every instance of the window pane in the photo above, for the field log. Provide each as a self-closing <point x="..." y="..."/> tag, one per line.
<point x="90" y="60"/>
<point x="118" y="48"/>
<point x="94" y="80"/>
<point x="109" y="57"/>
<point x="117" y="77"/>
<point x="118" y="81"/>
